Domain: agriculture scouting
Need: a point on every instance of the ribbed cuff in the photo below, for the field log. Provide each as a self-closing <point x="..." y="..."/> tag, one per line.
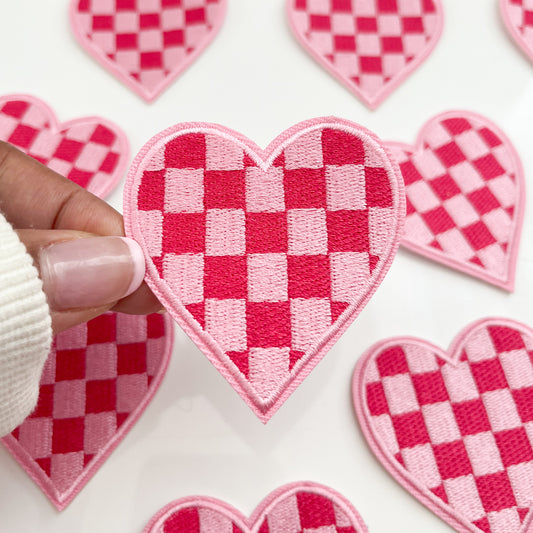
<point x="25" y="330"/>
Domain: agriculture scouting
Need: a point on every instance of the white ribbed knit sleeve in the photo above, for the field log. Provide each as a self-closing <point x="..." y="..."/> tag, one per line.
<point x="25" y="330"/>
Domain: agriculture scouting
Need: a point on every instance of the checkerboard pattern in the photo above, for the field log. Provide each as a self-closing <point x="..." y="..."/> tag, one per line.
<point x="301" y="511"/>
<point x="518" y="16"/>
<point x="462" y="194"/>
<point x="97" y="379"/>
<point x="147" y="41"/>
<point x="462" y="429"/>
<point x="368" y="44"/>
<point x="89" y="152"/>
<point x="266" y="261"/>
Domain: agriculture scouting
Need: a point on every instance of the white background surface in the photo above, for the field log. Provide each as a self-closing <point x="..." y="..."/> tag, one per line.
<point x="198" y="436"/>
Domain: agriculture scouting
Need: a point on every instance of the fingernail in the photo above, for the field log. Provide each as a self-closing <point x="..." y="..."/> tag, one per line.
<point x="91" y="272"/>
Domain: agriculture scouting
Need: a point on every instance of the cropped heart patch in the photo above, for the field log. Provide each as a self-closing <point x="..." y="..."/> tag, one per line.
<point x="465" y="196"/>
<point x="146" y="44"/>
<point x="97" y="381"/>
<point x="265" y="257"/>
<point x="293" y="508"/>
<point x="518" y="18"/>
<point x="371" y="46"/>
<point x="90" y="151"/>
<point x="456" y="428"/>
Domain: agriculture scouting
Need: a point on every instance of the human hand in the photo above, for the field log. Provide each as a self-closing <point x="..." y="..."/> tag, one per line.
<point x="73" y="237"/>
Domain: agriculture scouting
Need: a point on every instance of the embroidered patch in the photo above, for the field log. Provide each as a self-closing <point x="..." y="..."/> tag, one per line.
<point x="146" y="44"/>
<point x="518" y="18"/>
<point x="294" y="508"/>
<point x="265" y="257"/>
<point x="97" y="381"/>
<point x="90" y="151"/>
<point x="371" y="46"/>
<point x="465" y="196"/>
<point x="456" y="428"/>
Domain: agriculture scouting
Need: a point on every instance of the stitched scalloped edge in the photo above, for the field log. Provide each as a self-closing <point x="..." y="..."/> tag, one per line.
<point x="119" y="73"/>
<point x="253" y="523"/>
<point x="372" y="102"/>
<point x="63" y="499"/>
<point x="263" y="159"/>
<point x="401" y="475"/>
<point x="103" y="187"/>
<point x="506" y="282"/>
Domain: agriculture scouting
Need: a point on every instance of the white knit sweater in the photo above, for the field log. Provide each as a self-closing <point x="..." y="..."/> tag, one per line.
<point x="25" y="330"/>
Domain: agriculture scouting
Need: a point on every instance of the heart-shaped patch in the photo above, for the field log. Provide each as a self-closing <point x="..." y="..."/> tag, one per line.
<point x="265" y="257"/>
<point x="456" y="428"/>
<point x="146" y="44"/>
<point x="97" y="381"/>
<point x="90" y="151"/>
<point x="465" y="196"/>
<point x="518" y="18"/>
<point x="294" y="508"/>
<point x="371" y="46"/>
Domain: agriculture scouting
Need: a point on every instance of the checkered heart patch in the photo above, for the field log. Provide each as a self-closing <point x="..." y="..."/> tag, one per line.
<point x="518" y="18"/>
<point x="146" y="44"/>
<point x="265" y="257"/>
<point x="296" y="508"/>
<point x="456" y="428"/>
<point x="90" y="151"/>
<point x="97" y="381"/>
<point x="465" y="196"/>
<point x="371" y="46"/>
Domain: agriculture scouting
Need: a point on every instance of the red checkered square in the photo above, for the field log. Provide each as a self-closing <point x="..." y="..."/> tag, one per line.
<point x="410" y="430"/>
<point x="147" y="43"/>
<point x="102" y="329"/>
<point x="309" y="276"/>
<point x="70" y="364"/>
<point x="78" y="411"/>
<point x="224" y="189"/>
<point x="225" y="277"/>
<point x="462" y="190"/>
<point x="305" y="188"/>
<point x="369" y="44"/>
<point x="186" y="151"/>
<point x="87" y="152"/>
<point x="471" y="417"/>
<point x="268" y="324"/>
<point x="101" y="396"/>
<point x="452" y="460"/>
<point x="266" y="233"/>
<point x="184" y="233"/>
<point x="482" y="446"/>
<point x="430" y="388"/>
<point x="348" y="231"/>
<point x="514" y="446"/>
<point x="131" y="358"/>
<point x="489" y="375"/>
<point x="496" y="492"/>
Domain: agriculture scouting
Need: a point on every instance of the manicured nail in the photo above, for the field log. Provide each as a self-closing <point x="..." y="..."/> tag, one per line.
<point x="92" y="272"/>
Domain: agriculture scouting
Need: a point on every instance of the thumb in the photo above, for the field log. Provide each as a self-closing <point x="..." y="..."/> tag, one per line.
<point x="83" y="274"/>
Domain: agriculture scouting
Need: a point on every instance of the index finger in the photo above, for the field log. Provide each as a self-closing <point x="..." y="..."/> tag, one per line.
<point x="33" y="196"/>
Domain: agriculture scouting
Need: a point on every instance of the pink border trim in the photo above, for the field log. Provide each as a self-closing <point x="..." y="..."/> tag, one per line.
<point x="264" y="158"/>
<point x="102" y="187"/>
<point x="253" y="523"/>
<point x="402" y="476"/>
<point x="513" y="31"/>
<point x="371" y="102"/>
<point x="138" y="88"/>
<point x="508" y="282"/>
<point x="61" y="500"/>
